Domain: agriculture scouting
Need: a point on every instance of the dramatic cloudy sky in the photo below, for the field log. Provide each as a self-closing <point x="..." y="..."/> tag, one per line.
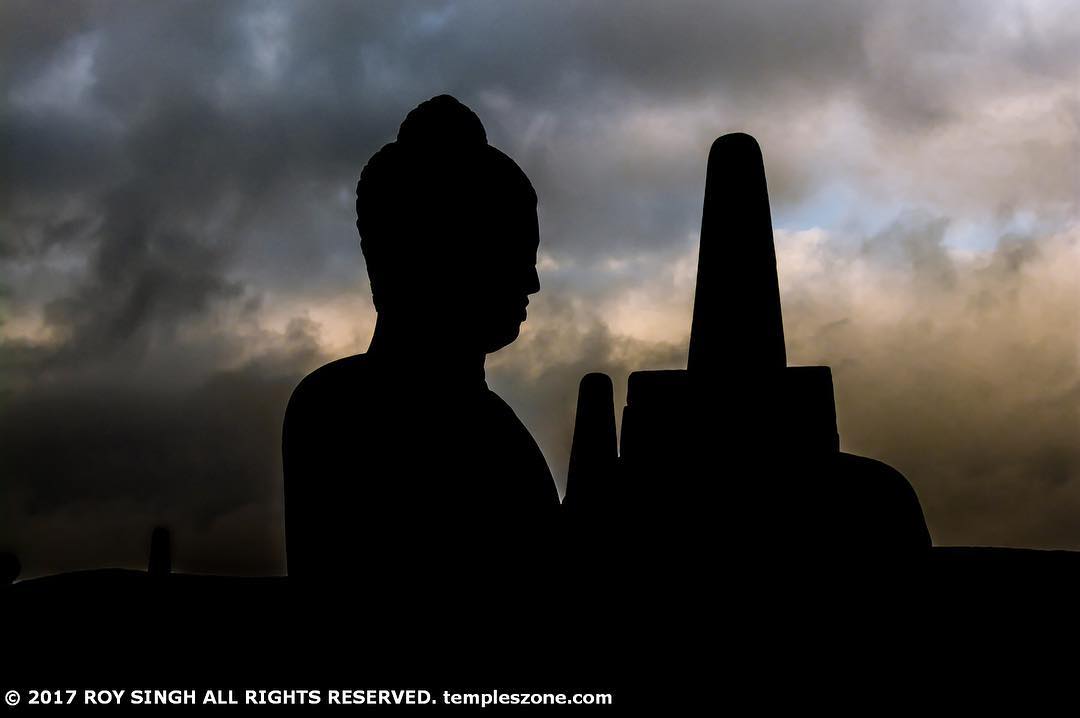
<point x="177" y="244"/>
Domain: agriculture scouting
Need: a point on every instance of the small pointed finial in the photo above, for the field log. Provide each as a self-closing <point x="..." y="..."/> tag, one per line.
<point x="160" y="552"/>
<point x="595" y="447"/>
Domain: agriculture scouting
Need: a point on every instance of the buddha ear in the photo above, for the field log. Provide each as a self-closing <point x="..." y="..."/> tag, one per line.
<point x="374" y="295"/>
<point x="372" y="271"/>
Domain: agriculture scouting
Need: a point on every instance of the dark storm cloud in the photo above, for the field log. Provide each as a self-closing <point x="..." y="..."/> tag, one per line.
<point x="93" y="466"/>
<point x="177" y="243"/>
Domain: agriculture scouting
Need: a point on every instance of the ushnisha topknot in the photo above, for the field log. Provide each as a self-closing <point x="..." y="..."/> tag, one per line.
<point x="442" y="122"/>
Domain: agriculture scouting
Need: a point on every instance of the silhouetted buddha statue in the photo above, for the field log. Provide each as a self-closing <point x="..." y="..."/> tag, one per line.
<point x="402" y="454"/>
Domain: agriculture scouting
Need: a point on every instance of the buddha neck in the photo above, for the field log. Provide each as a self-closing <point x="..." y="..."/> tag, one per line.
<point x="431" y="358"/>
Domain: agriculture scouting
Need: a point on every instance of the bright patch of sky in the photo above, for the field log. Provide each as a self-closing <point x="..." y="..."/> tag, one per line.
<point x="63" y="84"/>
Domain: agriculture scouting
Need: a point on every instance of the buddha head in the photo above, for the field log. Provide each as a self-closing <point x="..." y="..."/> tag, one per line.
<point x="449" y="230"/>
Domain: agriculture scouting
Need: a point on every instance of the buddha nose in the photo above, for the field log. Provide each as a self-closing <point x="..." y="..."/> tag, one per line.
<point x="532" y="283"/>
